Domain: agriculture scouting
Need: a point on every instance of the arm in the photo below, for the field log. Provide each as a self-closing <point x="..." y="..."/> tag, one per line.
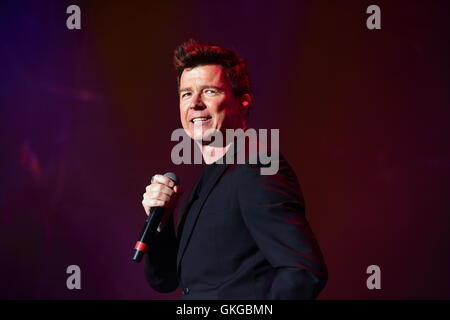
<point x="160" y="262"/>
<point x="273" y="210"/>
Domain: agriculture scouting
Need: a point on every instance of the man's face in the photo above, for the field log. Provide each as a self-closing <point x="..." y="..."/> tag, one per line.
<point x="207" y="101"/>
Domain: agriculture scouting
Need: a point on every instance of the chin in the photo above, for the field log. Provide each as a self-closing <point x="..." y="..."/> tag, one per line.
<point x="202" y="138"/>
<point x="191" y="135"/>
<point x="196" y="138"/>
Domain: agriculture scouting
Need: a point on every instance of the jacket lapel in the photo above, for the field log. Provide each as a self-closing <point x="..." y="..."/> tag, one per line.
<point x="189" y="226"/>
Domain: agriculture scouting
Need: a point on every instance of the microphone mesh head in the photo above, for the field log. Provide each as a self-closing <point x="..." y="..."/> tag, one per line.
<point x="172" y="176"/>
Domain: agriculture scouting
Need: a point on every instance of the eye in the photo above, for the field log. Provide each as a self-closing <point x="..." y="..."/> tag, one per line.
<point x="210" y="91"/>
<point x="185" y="94"/>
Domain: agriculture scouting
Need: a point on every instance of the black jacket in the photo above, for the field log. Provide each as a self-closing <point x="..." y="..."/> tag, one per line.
<point x="246" y="237"/>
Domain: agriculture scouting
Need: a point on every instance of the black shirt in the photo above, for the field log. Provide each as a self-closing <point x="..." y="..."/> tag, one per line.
<point x="207" y="174"/>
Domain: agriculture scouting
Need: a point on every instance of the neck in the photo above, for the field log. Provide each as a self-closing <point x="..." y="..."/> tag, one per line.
<point x="213" y="153"/>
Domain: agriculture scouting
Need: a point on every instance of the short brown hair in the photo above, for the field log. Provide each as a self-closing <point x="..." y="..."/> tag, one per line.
<point x="191" y="54"/>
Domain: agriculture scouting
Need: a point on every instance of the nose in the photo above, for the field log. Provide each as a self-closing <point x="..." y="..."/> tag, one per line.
<point x="197" y="102"/>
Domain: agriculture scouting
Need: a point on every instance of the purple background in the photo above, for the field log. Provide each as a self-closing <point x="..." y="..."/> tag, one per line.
<point x="86" y="118"/>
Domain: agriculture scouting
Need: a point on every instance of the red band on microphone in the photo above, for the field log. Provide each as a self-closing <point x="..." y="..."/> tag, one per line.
<point x="141" y="246"/>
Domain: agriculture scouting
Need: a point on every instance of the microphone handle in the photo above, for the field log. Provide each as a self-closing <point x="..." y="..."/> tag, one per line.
<point x="148" y="232"/>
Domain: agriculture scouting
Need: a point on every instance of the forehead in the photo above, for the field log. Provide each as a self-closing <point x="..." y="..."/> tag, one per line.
<point x="202" y="75"/>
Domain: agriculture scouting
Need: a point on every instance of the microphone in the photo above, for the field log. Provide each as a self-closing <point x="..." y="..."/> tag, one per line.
<point x="151" y="225"/>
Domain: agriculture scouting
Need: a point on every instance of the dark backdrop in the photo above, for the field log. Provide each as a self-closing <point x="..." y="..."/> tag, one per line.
<point x="86" y="117"/>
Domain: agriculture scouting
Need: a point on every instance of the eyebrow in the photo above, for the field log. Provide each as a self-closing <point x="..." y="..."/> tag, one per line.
<point x="184" y="89"/>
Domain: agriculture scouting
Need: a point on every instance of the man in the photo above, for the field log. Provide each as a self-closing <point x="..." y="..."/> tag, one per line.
<point x="242" y="235"/>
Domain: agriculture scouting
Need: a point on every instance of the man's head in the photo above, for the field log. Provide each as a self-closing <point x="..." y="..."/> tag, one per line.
<point x="214" y="88"/>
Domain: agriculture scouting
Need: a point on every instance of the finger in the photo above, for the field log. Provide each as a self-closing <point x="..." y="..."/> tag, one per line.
<point x="157" y="187"/>
<point x="154" y="203"/>
<point x="156" y="196"/>
<point x="146" y="208"/>
<point x="158" y="178"/>
<point x="150" y="203"/>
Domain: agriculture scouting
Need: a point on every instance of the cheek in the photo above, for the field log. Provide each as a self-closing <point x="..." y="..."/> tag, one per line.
<point x="220" y="109"/>
<point x="221" y="116"/>
<point x="227" y="111"/>
<point x="183" y="113"/>
<point x="184" y="122"/>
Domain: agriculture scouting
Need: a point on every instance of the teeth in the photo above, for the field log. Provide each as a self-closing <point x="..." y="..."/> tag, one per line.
<point x="199" y="119"/>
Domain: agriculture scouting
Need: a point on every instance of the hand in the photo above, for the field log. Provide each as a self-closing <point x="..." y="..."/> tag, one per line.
<point x="160" y="193"/>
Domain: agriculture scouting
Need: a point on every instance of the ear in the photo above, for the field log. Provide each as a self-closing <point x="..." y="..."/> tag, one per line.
<point x="246" y="100"/>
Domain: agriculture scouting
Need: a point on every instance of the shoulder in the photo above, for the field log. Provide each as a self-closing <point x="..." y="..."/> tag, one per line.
<point x="257" y="162"/>
<point x="274" y="174"/>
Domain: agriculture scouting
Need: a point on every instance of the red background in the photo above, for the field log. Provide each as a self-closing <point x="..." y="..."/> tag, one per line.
<point x="86" y="117"/>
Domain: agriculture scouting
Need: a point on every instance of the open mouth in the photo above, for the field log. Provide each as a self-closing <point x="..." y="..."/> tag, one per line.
<point x="200" y="119"/>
